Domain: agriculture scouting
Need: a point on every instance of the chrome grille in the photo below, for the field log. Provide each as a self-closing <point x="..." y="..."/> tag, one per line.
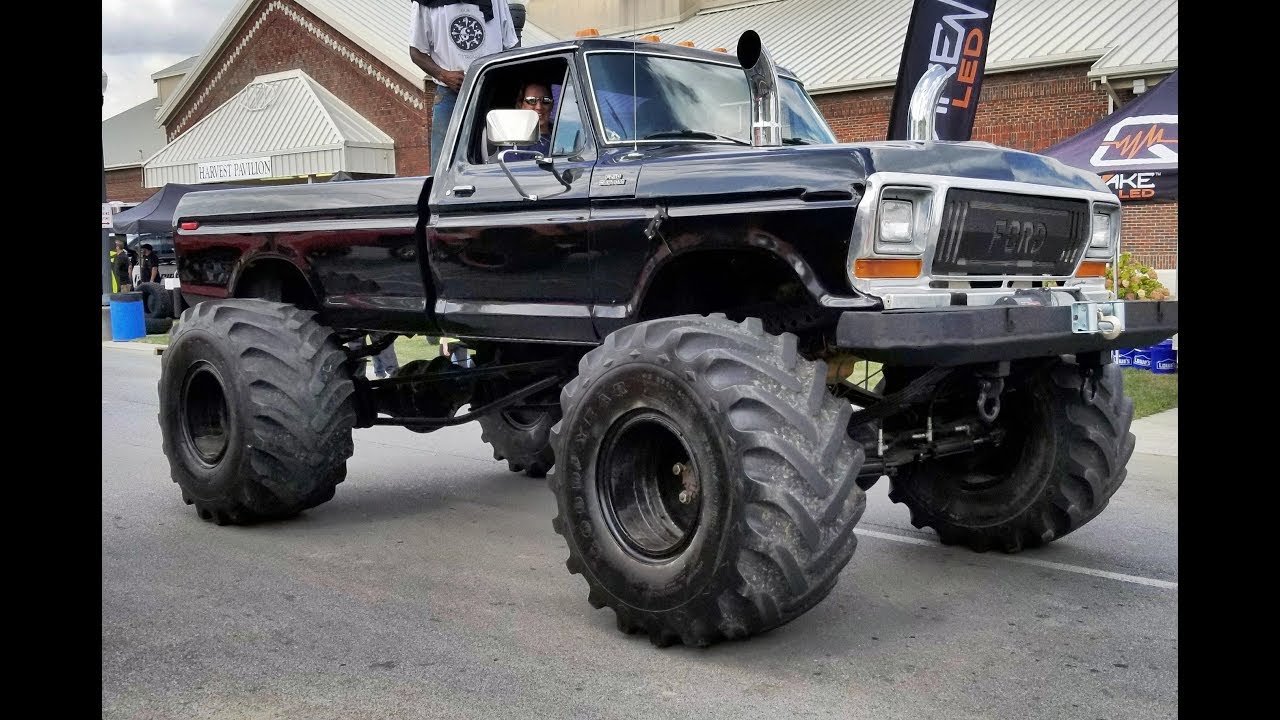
<point x="1010" y="235"/>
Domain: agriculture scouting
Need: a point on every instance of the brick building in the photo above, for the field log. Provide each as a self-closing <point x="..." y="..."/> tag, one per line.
<point x="300" y="90"/>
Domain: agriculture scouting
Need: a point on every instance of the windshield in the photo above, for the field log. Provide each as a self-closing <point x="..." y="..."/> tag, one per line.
<point x="678" y="98"/>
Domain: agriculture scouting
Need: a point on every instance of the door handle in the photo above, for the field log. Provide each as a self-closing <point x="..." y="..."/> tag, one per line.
<point x="567" y="218"/>
<point x="464" y="190"/>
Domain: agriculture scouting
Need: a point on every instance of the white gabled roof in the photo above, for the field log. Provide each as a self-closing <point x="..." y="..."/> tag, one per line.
<point x="288" y="116"/>
<point x="130" y="137"/>
<point x="835" y="45"/>
<point x="379" y="27"/>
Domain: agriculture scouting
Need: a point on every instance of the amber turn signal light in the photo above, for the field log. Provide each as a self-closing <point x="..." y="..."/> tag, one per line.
<point x="1092" y="269"/>
<point x="887" y="267"/>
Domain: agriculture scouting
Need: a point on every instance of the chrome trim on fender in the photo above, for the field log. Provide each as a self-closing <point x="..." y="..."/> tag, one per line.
<point x="407" y="222"/>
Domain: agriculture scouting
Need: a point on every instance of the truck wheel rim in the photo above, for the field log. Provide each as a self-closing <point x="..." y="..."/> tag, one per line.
<point x="639" y="490"/>
<point x="204" y="413"/>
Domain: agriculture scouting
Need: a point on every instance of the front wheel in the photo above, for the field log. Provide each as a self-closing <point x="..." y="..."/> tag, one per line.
<point x="1066" y="445"/>
<point x="704" y="479"/>
<point x="256" y="410"/>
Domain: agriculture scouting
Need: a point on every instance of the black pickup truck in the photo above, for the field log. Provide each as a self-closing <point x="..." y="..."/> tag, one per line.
<point x="718" y="325"/>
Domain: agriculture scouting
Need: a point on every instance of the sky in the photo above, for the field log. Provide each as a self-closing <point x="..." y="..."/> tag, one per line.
<point x="142" y="37"/>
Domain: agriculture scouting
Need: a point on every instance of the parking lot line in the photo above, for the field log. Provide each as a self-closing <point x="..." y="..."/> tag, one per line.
<point x="1137" y="580"/>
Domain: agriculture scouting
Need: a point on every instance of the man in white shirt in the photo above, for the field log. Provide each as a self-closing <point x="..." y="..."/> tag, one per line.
<point x="445" y="37"/>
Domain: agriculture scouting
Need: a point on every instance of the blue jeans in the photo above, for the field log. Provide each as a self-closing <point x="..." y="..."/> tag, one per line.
<point x="440" y="114"/>
<point x="386" y="363"/>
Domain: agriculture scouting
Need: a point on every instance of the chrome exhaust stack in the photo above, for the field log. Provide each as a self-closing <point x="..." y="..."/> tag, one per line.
<point x="766" y="104"/>
<point x="924" y="102"/>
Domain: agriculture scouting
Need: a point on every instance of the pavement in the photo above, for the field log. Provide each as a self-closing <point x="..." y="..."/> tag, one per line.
<point x="1156" y="434"/>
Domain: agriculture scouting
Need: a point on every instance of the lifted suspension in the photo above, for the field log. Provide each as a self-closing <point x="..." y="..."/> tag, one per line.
<point x="374" y="396"/>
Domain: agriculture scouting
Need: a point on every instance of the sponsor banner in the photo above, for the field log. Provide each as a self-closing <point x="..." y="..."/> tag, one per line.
<point x="952" y="34"/>
<point x="1148" y="185"/>
<point x="1135" y="149"/>
<point x="245" y="169"/>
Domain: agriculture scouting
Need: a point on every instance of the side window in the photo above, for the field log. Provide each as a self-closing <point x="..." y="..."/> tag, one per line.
<point x="570" y="138"/>
<point x="506" y="86"/>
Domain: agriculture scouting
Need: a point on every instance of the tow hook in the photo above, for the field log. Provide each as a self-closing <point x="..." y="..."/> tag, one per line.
<point x="989" y="399"/>
<point x="990" y="387"/>
<point x="687" y="481"/>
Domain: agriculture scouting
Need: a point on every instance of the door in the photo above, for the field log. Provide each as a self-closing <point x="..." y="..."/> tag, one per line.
<point x="513" y="262"/>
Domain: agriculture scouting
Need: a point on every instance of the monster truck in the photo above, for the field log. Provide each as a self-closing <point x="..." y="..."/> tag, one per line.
<point x="666" y="307"/>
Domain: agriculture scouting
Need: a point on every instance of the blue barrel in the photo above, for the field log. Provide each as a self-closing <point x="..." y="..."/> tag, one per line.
<point x="127" y="321"/>
<point x="1122" y="358"/>
<point x="1164" y="359"/>
<point x="1141" y="358"/>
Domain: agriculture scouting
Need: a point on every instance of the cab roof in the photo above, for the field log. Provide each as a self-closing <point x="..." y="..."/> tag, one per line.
<point x="589" y="44"/>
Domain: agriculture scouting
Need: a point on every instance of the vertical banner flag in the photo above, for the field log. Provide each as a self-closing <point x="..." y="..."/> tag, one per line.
<point x="953" y="34"/>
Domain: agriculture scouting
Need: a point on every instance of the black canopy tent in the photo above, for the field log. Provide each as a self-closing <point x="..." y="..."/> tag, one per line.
<point x="155" y="214"/>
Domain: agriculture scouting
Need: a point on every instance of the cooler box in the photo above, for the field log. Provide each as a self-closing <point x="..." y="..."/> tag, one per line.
<point x="1141" y="358"/>
<point x="1164" y="359"/>
<point x="127" y="321"/>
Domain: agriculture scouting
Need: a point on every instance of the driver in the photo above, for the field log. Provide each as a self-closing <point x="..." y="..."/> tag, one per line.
<point x="535" y="96"/>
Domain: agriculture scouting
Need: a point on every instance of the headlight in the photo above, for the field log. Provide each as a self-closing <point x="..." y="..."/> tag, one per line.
<point x="1101" y="231"/>
<point x="901" y="221"/>
<point x="1104" y="233"/>
<point x="895" y="222"/>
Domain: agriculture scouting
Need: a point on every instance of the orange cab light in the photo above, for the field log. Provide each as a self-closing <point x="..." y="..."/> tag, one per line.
<point x="189" y="225"/>
<point x="587" y="32"/>
<point x="651" y="38"/>
<point x="685" y="43"/>
<point x="723" y="50"/>
<point x="1092" y="269"/>
<point x="887" y="267"/>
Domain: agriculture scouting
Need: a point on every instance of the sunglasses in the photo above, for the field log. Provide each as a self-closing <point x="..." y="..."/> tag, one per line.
<point x="537" y="100"/>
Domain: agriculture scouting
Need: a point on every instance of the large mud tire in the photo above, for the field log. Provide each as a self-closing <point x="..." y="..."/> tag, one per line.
<point x="1063" y="460"/>
<point x="772" y="523"/>
<point x="156" y="301"/>
<point x="521" y="438"/>
<point x="256" y="410"/>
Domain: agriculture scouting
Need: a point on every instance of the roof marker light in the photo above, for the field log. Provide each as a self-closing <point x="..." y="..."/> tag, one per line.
<point x="587" y="32"/>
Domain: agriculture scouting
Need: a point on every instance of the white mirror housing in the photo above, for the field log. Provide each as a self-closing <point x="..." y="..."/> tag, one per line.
<point x="512" y="127"/>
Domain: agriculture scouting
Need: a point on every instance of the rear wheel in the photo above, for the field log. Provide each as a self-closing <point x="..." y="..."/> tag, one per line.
<point x="522" y="438"/>
<point x="704" y="479"/>
<point x="1063" y="456"/>
<point x="256" y="410"/>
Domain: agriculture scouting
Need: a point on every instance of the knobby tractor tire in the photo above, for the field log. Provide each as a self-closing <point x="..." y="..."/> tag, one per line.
<point x="521" y="438"/>
<point x="1063" y="459"/>
<point x="156" y="326"/>
<point x="752" y="423"/>
<point x="156" y="301"/>
<point x="256" y="410"/>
